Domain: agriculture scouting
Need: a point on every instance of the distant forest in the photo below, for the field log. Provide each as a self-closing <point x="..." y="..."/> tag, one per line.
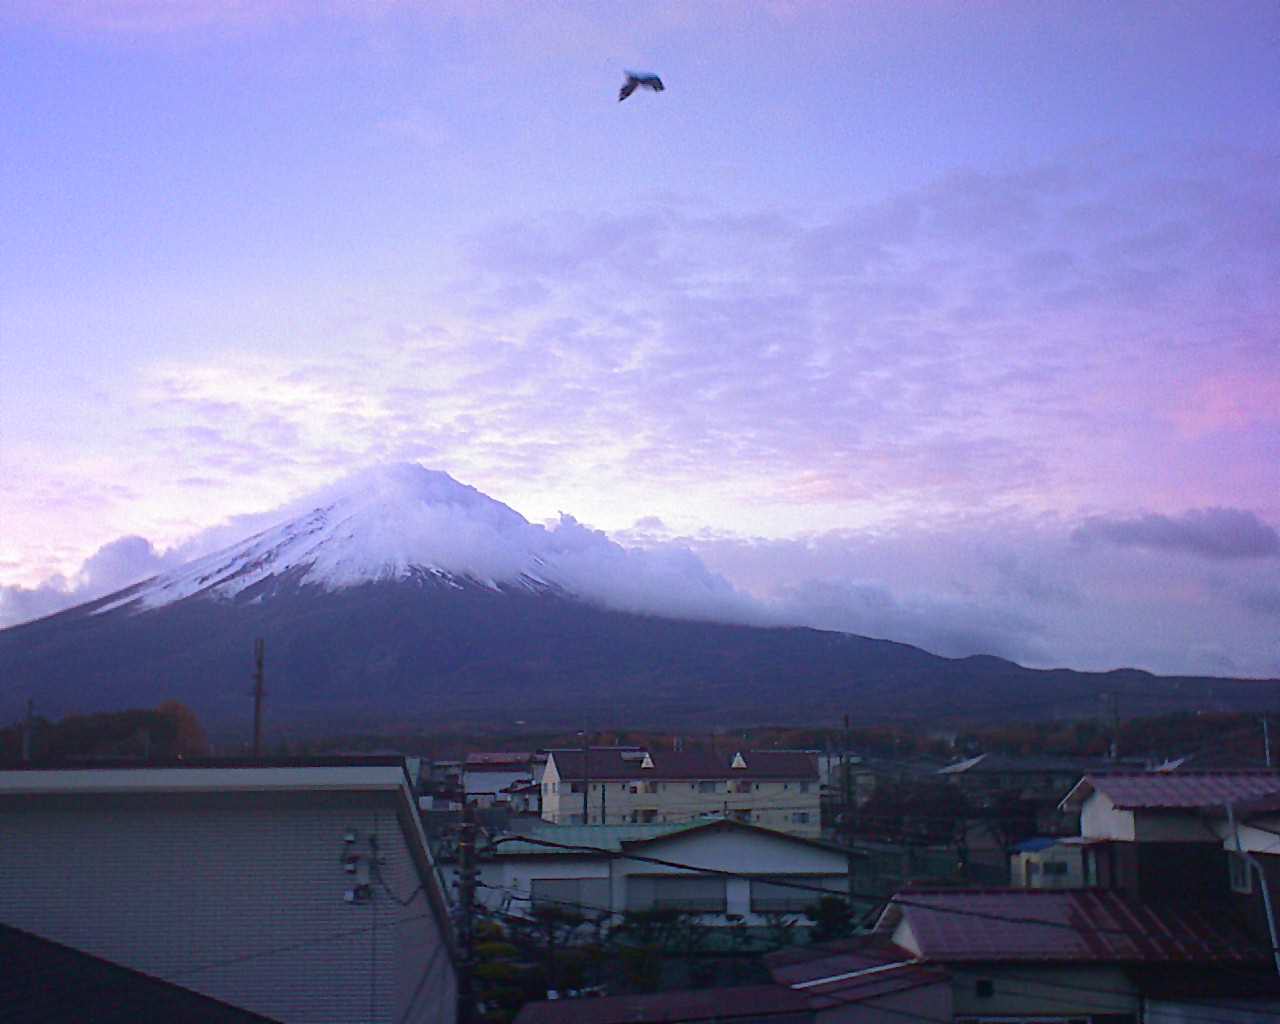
<point x="172" y="731"/>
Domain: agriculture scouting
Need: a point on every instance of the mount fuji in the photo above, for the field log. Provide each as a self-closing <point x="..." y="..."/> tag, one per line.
<point x="400" y="597"/>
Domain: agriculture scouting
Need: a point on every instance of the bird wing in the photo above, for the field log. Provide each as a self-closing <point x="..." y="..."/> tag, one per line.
<point x="654" y="83"/>
<point x="627" y="89"/>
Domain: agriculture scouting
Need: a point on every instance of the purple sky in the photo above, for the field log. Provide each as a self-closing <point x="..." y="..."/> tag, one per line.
<point x="954" y="323"/>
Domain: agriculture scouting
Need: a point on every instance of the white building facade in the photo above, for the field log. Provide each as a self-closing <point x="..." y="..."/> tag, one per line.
<point x="721" y="871"/>
<point x="616" y="786"/>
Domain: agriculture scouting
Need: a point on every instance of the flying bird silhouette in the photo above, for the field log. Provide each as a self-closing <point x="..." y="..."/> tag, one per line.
<point x="635" y="79"/>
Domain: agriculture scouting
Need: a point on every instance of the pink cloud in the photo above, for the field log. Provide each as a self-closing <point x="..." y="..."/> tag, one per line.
<point x="1229" y="401"/>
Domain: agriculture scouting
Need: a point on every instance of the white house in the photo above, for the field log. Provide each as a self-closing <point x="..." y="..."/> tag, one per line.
<point x="722" y="870"/>
<point x="302" y="893"/>
<point x="1049" y="863"/>
<point x="619" y="785"/>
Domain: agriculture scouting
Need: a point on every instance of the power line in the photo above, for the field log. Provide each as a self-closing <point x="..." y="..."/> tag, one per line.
<point x="853" y="894"/>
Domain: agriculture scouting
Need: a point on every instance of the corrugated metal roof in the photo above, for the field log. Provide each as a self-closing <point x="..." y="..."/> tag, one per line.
<point x="688" y="765"/>
<point x="769" y="1004"/>
<point x="1084" y="926"/>
<point x="1131" y="791"/>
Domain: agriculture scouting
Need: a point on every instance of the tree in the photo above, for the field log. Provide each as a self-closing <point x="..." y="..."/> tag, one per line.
<point x="189" y="738"/>
<point x="832" y="919"/>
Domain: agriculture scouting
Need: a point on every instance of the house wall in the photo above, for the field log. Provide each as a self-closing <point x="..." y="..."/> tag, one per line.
<point x="239" y="896"/>
<point x="514" y="875"/>
<point x="791" y="806"/>
<point x="1029" y="870"/>
<point x="1042" y="991"/>
<point x="742" y="852"/>
<point x="1171" y="827"/>
<point x="1099" y="819"/>
<point x="510" y="876"/>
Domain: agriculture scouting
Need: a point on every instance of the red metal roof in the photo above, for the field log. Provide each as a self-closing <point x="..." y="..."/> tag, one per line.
<point x="1176" y="790"/>
<point x="688" y="765"/>
<point x="851" y="972"/>
<point x="1084" y="926"/>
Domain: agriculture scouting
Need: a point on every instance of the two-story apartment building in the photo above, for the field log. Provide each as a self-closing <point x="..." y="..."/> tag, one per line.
<point x="615" y="786"/>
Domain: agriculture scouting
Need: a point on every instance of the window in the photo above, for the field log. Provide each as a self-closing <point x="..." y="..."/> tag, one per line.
<point x="740" y="786"/>
<point x="740" y="815"/>
<point x="697" y="894"/>
<point x="575" y="787"/>
<point x="804" y="787"/>
<point x="708" y="787"/>
<point x="1055" y="867"/>
<point x="800" y="817"/>
<point x="769" y="897"/>
<point x="984" y="988"/>
<point x="578" y="894"/>
<point x="1241" y="881"/>
<point x="651" y="787"/>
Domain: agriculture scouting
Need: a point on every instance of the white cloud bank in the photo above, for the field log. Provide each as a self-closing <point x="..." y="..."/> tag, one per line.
<point x="1086" y="593"/>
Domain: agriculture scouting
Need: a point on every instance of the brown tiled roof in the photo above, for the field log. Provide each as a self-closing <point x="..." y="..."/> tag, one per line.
<point x="689" y="765"/>
<point x="768" y="1004"/>
<point x="1083" y="926"/>
<point x="1175" y="790"/>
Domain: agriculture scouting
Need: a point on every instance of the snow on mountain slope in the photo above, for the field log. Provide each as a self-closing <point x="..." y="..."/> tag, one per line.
<point x="401" y="521"/>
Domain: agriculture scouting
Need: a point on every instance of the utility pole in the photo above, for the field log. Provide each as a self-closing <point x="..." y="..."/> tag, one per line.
<point x="1266" y="740"/>
<point x="259" y="655"/>
<point x="848" y="784"/>
<point x="28" y="727"/>
<point x="467" y="874"/>
<point x="1115" y="723"/>
<point x="586" y="775"/>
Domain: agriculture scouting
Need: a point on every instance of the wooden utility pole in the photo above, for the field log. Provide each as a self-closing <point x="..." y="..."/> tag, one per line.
<point x="1115" y="723"/>
<point x="1266" y="740"/>
<point x="28" y="727"/>
<point x="586" y="776"/>
<point x="467" y="875"/>
<point x="847" y="783"/>
<point x="259" y="656"/>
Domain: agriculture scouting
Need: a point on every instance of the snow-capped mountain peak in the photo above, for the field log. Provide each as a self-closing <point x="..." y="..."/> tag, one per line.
<point x="403" y="521"/>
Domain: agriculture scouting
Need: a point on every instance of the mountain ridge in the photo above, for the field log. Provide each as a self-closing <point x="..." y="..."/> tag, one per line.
<point x="401" y="595"/>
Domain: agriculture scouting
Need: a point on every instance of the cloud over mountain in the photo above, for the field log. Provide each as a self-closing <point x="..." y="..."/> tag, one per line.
<point x="1219" y="533"/>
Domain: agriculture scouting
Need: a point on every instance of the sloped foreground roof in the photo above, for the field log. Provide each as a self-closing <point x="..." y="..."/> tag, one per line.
<point x="55" y="984"/>
<point x="1131" y="791"/>
<point x="1083" y="926"/>
<point x="851" y="971"/>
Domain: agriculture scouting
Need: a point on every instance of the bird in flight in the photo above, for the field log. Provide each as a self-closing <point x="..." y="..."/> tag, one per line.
<point x="635" y="79"/>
